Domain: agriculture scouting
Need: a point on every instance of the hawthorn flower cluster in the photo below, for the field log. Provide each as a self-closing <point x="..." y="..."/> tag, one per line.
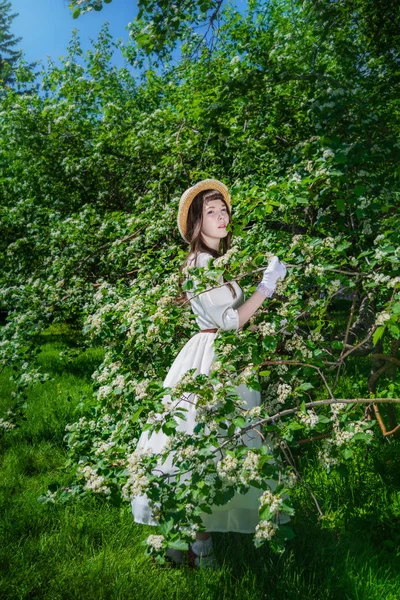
<point x="107" y="372"/>
<point x="271" y="500"/>
<point x="81" y="424"/>
<point x="265" y="530"/>
<point x="283" y="391"/>
<point x="272" y="402"/>
<point x="343" y="436"/>
<point x="227" y="468"/>
<point x="382" y="317"/>
<point x="267" y="329"/>
<point x="138" y="480"/>
<point x="103" y="447"/>
<point x="6" y="425"/>
<point x="296" y="344"/>
<point x="225" y="258"/>
<point x="193" y="529"/>
<point x="314" y="269"/>
<point x="379" y="278"/>
<point x="254" y="412"/>
<point x="295" y="240"/>
<point x="394" y="282"/>
<point x="94" y="482"/>
<point x="155" y="542"/>
<point x="139" y="388"/>
<point x="246" y="374"/>
<point x="325" y="456"/>
<point x="104" y="391"/>
<point x="309" y="419"/>
<point x="250" y="469"/>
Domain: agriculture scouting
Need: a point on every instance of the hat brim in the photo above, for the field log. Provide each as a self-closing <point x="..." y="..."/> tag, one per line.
<point x="188" y="196"/>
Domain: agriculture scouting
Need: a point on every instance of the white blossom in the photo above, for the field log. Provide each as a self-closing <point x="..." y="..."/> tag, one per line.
<point x="94" y="482"/>
<point x="266" y="530"/>
<point x="250" y="468"/>
<point x="267" y="329"/>
<point x="381" y="318"/>
<point x="227" y="468"/>
<point x="310" y="418"/>
<point x="272" y="500"/>
<point x="224" y="259"/>
<point x="155" y="542"/>
<point x="6" y="425"/>
<point x="104" y="391"/>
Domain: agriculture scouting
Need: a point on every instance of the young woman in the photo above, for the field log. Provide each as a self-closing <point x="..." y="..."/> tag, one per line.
<point x="203" y="216"/>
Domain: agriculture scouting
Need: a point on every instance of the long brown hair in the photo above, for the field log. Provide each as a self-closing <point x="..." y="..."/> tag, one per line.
<point x="193" y="234"/>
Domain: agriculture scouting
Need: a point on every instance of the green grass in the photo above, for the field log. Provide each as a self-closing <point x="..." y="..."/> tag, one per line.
<point x="91" y="550"/>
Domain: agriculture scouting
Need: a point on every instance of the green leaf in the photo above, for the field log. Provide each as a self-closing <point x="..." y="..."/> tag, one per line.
<point x="166" y="527"/>
<point x="340" y="203"/>
<point x="306" y="386"/>
<point x="205" y="508"/>
<point x="378" y="333"/>
<point x="231" y="430"/>
<point x="293" y="426"/>
<point x="239" y="422"/>
<point x="286" y="532"/>
<point x="396" y="308"/>
<point x="265" y="514"/>
<point x="187" y="285"/>
<point x="347" y="453"/>
<point x="76" y="13"/>
<point x="288" y="509"/>
<point x="178" y="545"/>
<point x="137" y="414"/>
<point x="394" y="330"/>
<point x="169" y="427"/>
<point x="359" y="190"/>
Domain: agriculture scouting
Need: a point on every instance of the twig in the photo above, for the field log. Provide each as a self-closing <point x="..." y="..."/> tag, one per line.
<point x="353" y="348"/>
<point x="291" y="411"/>
<point x="346" y="337"/>
<point x="125" y="239"/>
<point x="296" y="362"/>
<point x="314" y="439"/>
<point x="391" y="359"/>
<point x="299" y="476"/>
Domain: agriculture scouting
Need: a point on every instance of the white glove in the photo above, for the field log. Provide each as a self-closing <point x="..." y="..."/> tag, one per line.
<point x="275" y="270"/>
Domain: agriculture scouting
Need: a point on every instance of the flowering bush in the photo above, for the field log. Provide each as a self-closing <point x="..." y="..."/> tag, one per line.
<point x="90" y="192"/>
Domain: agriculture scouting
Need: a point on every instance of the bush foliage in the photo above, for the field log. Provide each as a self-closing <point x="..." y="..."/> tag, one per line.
<point x="295" y="107"/>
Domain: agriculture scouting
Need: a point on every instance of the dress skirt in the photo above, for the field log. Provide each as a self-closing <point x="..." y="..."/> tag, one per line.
<point x="240" y="514"/>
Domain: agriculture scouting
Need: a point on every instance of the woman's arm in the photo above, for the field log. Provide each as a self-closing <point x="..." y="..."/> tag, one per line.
<point x="275" y="270"/>
<point x="248" y="308"/>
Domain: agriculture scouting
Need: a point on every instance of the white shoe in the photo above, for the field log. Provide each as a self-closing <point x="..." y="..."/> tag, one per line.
<point x="201" y="555"/>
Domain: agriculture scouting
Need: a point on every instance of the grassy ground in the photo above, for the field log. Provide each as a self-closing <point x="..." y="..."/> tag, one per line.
<point x="92" y="550"/>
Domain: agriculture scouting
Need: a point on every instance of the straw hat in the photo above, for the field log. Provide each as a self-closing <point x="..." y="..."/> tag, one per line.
<point x="188" y="196"/>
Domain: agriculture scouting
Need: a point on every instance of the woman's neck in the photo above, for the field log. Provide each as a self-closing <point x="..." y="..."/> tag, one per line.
<point x="211" y="242"/>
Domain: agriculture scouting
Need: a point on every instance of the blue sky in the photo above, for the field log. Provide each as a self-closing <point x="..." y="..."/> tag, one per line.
<point x="46" y="25"/>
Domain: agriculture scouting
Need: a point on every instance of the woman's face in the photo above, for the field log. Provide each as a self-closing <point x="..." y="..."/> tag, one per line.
<point x="215" y="219"/>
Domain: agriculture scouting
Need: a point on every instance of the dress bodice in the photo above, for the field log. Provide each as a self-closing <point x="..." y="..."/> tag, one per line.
<point x="216" y="307"/>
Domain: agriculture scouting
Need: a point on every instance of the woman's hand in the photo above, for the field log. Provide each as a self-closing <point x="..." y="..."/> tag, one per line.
<point x="275" y="270"/>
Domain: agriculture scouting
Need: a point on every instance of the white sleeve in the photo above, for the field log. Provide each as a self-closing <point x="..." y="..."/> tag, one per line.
<point x="217" y="302"/>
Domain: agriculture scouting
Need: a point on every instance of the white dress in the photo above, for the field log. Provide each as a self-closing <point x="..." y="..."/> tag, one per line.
<point x="214" y="309"/>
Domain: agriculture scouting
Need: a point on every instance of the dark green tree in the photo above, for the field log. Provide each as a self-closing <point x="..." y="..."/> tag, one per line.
<point x="8" y="55"/>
